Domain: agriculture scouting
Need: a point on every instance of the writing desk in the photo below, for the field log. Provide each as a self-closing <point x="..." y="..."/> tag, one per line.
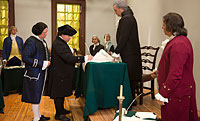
<point x="100" y="85"/>
<point x="12" y="78"/>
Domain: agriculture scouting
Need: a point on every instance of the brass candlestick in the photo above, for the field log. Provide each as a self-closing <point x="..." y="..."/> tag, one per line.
<point x="120" y="98"/>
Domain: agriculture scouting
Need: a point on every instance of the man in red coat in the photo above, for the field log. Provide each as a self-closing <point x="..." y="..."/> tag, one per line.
<point x="175" y="73"/>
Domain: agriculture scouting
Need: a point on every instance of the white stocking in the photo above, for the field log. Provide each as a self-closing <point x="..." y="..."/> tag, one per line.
<point x="36" y="112"/>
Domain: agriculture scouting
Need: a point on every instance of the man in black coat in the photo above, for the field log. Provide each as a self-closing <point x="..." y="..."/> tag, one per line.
<point x="96" y="47"/>
<point x="128" y="45"/>
<point x="62" y="70"/>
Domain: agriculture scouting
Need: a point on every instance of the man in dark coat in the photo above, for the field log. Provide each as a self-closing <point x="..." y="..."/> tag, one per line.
<point x="128" y="45"/>
<point x="62" y="70"/>
<point x="96" y="46"/>
<point x="36" y="58"/>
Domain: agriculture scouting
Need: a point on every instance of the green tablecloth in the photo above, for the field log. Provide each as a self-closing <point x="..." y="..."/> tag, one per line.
<point x="100" y="85"/>
<point x="1" y="98"/>
<point x="12" y="79"/>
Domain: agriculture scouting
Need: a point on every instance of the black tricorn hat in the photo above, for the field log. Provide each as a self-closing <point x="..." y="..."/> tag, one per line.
<point x="66" y="30"/>
<point x="38" y="28"/>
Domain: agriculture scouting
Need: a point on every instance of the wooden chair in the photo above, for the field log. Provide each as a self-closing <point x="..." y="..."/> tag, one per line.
<point x="148" y="55"/>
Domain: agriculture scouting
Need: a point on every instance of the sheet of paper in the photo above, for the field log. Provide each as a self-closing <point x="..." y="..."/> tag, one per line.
<point x="125" y="118"/>
<point x="101" y="56"/>
<point x="144" y="115"/>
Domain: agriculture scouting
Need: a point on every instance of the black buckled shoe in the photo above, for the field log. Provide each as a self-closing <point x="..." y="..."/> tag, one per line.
<point x="62" y="118"/>
<point x="43" y="118"/>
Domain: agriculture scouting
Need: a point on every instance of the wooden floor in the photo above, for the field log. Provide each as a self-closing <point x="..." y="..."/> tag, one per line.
<point x="15" y="110"/>
<point x="77" y="107"/>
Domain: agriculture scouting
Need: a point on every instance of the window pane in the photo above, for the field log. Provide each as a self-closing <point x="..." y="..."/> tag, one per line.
<point x="60" y="7"/>
<point x="60" y="16"/>
<point x="69" y="14"/>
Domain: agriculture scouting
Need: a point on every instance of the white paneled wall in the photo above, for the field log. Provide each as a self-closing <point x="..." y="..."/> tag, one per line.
<point x="29" y="12"/>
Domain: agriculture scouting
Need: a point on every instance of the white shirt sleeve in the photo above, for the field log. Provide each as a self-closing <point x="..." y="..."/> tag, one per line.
<point x="115" y="55"/>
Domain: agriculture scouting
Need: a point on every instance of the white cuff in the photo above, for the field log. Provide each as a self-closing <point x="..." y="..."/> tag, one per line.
<point x="45" y="64"/>
<point x="86" y="58"/>
<point x="115" y="55"/>
<point x="161" y="98"/>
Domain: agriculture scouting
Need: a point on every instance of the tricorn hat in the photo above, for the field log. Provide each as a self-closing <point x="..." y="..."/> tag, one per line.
<point x="38" y="28"/>
<point x="66" y="30"/>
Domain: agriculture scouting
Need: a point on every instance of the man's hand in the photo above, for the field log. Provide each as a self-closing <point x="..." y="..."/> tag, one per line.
<point x="90" y="57"/>
<point x="154" y="74"/>
<point x="49" y="62"/>
<point x="4" y="62"/>
<point x="160" y="102"/>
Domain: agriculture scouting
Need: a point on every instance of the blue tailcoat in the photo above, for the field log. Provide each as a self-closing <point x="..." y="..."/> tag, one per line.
<point x="7" y="46"/>
<point x="34" y="54"/>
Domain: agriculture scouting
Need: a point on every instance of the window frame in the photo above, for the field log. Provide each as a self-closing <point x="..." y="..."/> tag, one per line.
<point x="82" y="3"/>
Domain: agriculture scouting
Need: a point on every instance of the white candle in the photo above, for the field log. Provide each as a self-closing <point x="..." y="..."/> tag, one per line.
<point x="121" y="90"/>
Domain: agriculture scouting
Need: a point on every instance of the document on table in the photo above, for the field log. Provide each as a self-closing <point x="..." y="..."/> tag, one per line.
<point x="101" y="56"/>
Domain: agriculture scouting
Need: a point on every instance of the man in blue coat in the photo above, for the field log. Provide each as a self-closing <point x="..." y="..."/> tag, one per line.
<point x="36" y="58"/>
<point x="12" y="48"/>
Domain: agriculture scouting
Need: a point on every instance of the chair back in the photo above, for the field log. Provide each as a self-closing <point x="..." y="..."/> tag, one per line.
<point x="148" y="55"/>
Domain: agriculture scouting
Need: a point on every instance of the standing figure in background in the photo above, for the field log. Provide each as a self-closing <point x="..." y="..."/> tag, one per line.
<point x="177" y="94"/>
<point x="108" y="46"/>
<point x="12" y="48"/>
<point x="96" y="47"/>
<point x="62" y="69"/>
<point x="128" y="45"/>
<point x="36" y="58"/>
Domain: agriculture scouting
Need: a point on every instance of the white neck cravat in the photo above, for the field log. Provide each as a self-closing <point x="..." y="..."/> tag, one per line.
<point x="164" y="43"/>
<point x="13" y="37"/>
<point x="95" y="45"/>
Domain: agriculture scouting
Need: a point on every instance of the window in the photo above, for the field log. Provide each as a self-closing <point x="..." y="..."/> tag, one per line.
<point x="3" y="21"/>
<point x="6" y="19"/>
<point x="69" y="14"/>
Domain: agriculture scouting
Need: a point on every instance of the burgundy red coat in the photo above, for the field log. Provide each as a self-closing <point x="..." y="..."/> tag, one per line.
<point x="176" y="81"/>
